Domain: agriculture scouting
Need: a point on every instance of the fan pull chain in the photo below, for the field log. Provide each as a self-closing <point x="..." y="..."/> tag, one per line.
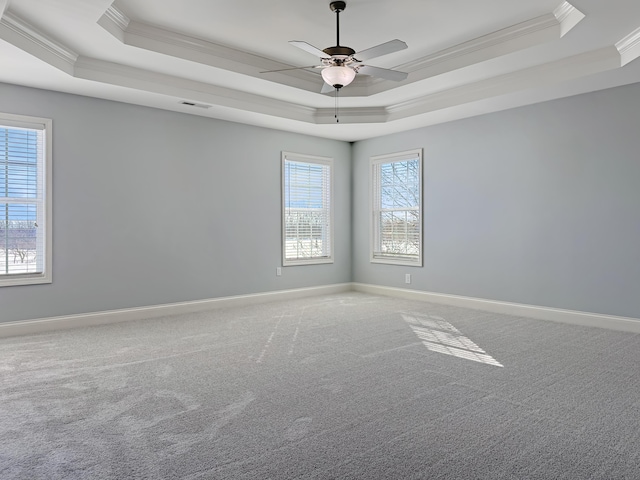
<point x="336" y="106"/>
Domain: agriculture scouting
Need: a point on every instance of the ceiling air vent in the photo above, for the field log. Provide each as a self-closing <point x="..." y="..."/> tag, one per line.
<point x="193" y="104"/>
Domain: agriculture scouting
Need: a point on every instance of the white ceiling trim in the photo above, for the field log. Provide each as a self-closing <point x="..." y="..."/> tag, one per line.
<point x="539" y="30"/>
<point x="352" y="115"/>
<point x="190" y="90"/>
<point x="568" y="16"/>
<point x="20" y="33"/>
<point x="588" y="63"/>
<point x="629" y="47"/>
<point x="115" y="22"/>
<point x="175" y="44"/>
<point x="576" y="66"/>
<point x="25" y="36"/>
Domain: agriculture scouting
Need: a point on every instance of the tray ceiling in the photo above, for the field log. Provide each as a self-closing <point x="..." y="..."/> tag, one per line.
<point x="199" y="57"/>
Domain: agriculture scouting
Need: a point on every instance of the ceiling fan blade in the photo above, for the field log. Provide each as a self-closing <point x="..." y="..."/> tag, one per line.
<point x="307" y="47"/>
<point x="326" y="88"/>
<point x="380" y="50"/>
<point x="385" y="73"/>
<point x="292" y="68"/>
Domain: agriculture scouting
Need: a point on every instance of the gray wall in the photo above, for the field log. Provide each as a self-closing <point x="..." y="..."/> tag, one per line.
<point x="537" y="205"/>
<point x="153" y="207"/>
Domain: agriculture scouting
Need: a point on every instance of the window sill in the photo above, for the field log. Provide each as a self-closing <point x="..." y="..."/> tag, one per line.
<point x="17" y="280"/>
<point x="310" y="261"/>
<point x="398" y="261"/>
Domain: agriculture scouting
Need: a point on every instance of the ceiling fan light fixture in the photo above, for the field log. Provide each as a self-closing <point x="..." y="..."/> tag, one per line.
<point x="340" y="64"/>
<point x="338" y="76"/>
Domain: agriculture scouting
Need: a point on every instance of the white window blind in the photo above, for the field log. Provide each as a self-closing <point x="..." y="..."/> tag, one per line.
<point x="397" y="208"/>
<point x="24" y="194"/>
<point x="307" y="209"/>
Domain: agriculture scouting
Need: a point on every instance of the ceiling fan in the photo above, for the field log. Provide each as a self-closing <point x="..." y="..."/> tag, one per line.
<point x="340" y="64"/>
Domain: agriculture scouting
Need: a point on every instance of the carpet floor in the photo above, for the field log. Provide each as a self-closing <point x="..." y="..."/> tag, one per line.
<point x="347" y="386"/>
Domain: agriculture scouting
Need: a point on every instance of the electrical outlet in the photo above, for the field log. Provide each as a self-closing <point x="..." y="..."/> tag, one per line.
<point x="278" y="271"/>
<point x="407" y="278"/>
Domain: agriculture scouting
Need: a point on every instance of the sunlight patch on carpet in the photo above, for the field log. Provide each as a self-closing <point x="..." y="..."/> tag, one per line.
<point x="440" y="336"/>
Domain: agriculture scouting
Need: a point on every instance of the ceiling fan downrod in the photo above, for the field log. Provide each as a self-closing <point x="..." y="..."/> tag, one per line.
<point x="337" y="49"/>
<point x="338" y="7"/>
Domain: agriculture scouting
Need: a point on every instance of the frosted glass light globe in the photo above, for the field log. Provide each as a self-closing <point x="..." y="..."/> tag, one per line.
<point x="338" y="76"/>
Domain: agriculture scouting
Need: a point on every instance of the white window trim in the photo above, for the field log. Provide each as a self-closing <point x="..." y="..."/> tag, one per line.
<point x="45" y="124"/>
<point x="307" y="159"/>
<point x="373" y="201"/>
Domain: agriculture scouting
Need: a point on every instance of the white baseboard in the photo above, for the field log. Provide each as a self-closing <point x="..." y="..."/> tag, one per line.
<point x="611" y="322"/>
<point x="27" y="327"/>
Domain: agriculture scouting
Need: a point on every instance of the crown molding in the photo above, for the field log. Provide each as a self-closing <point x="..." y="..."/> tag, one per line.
<point x="114" y="21"/>
<point x="536" y="31"/>
<point x="145" y="80"/>
<point x="25" y="36"/>
<point x="117" y="17"/>
<point x="175" y="44"/>
<point x="542" y="29"/>
<point x="568" y="16"/>
<point x="588" y="63"/>
<point x="131" y="77"/>
<point x="146" y="36"/>
<point x="484" y="45"/>
<point x="629" y="47"/>
<point x="351" y="115"/>
<point x="21" y="34"/>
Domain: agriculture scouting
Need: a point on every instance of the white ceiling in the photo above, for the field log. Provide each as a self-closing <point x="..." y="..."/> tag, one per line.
<point x="464" y="57"/>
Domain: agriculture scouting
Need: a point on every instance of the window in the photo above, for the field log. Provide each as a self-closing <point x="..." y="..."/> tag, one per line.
<point x="397" y="208"/>
<point x="25" y="200"/>
<point x="307" y="209"/>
